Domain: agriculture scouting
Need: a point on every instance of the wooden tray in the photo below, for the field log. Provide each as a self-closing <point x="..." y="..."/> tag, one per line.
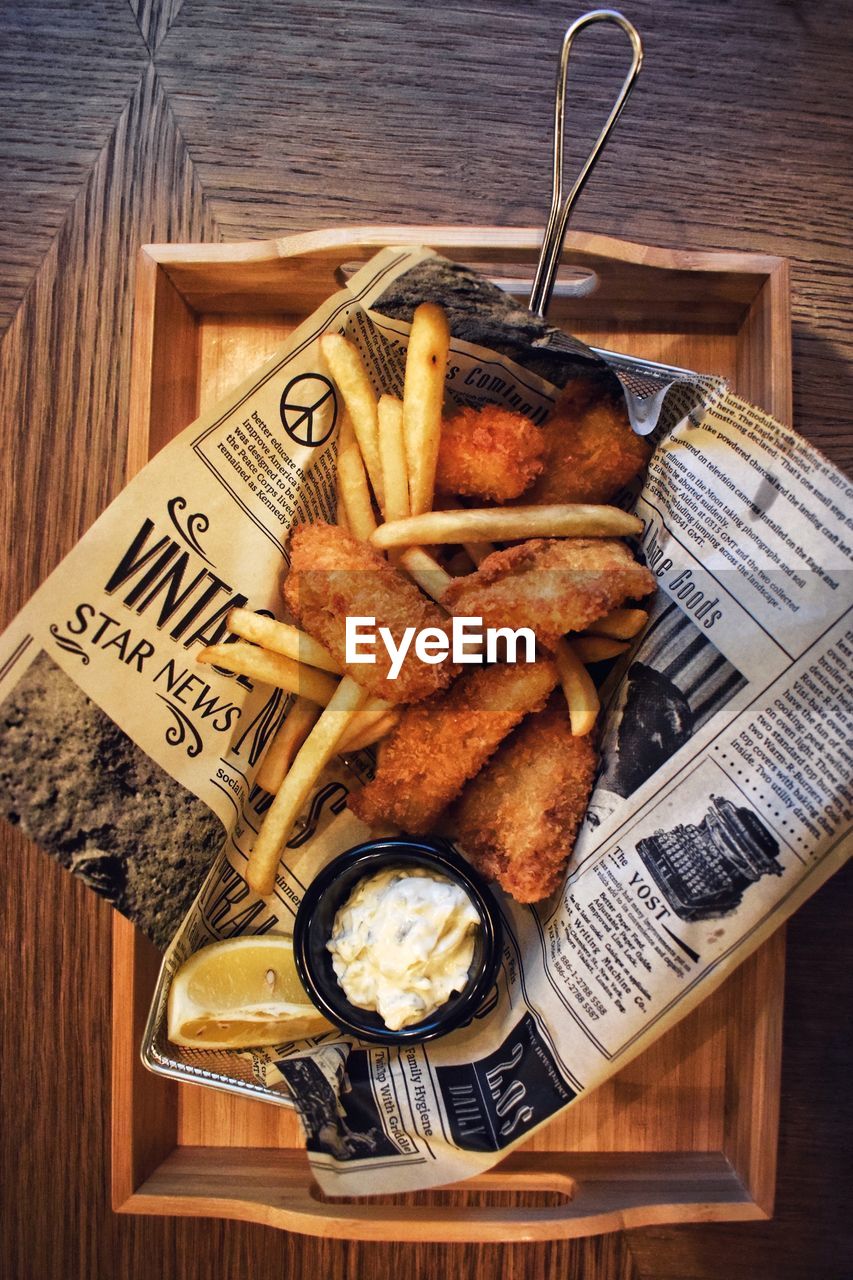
<point x="688" y="1131"/>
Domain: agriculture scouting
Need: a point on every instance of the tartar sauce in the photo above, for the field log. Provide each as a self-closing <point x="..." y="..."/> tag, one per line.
<point x="402" y="942"/>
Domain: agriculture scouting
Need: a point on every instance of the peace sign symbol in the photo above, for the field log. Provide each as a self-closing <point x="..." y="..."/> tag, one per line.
<point x="309" y="409"/>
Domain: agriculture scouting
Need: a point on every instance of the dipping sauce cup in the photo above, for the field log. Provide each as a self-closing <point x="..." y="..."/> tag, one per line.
<point x="332" y="888"/>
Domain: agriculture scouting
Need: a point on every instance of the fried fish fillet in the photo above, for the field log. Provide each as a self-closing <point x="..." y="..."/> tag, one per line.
<point x="517" y="820"/>
<point x="592" y="449"/>
<point x="489" y="453"/>
<point x="332" y="576"/>
<point x="552" y="585"/>
<point x="440" y="744"/>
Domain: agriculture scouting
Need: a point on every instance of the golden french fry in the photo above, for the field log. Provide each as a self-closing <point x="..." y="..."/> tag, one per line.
<point x="392" y="455"/>
<point x="506" y="524"/>
<point x="580" y="692"/>
<point x="292" y="795"/>
<point x="369" y="725"/>
<point x="347" y="368"/>
<point x="341" y="518"/>
<point x="476" y="551"/>
<point x="291" y="734"/>
<point x="280" y="637"/>
<point x="597" y="648"/>
<point x="271" y="668"/>
<point x="426" y="572"/>
<point x="372" y="733"/>
<point x="619" y="624"/>
<point x="374" y="709"/>
<point x="423" y="397"/>
<point x="352" y="483"/>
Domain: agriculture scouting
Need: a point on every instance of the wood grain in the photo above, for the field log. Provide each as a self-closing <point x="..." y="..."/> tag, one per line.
<point x="271" y="1188"/>
<point x="155" y="17"/>
<point x="51" y="69"/>
<point x="65" y="359"/>
<point x="240" y="125"/>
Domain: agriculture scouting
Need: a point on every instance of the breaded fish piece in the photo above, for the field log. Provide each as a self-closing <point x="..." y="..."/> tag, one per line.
<point x="440" y="744"/>
<point x="552" y="585"/>
<point x="592" y="449"/>
<point x="518" y="819"/>
<point x="333" y="575"/>
<point x="489" y="453"/>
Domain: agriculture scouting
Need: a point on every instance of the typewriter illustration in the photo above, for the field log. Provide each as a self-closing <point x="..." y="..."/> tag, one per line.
<point x="703" y="869"/>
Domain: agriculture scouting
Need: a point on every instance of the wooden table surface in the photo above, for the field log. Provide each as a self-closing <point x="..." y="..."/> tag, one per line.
<point x="127" y="121"/>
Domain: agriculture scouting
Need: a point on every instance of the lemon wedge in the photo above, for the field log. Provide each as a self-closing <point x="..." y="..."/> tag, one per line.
<point x="239" y="994"/>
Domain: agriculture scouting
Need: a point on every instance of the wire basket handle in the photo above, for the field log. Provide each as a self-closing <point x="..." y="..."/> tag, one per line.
<point x="558" y="218"/>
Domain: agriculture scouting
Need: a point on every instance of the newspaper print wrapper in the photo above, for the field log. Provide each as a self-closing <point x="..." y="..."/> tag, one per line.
<point x="724" y="797"/>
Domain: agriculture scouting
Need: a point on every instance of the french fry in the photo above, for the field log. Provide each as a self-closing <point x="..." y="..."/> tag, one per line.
<point x="280" y="637"/>
<point x="423" y="397"/>
<point x="597" y="648"/>
<point x="423" y="569"/>
<point x="292" y="795"/>
<point x="580" y="692"/>
<point x="372" y="733"/>
<point x="271" y="668"/>
<point x="291" y="734"/>
<point x="619" y="624"/>
<point x="476" y="551"/>
<point x="366" y="726"/>
<point x="347" y="368"/>
<point x="341" y="517"/>
<point x="506" y="524"/>
<point x="392" y="455"/>
<point x="374" y="709"/>
<point x="426" y="572"/>
<point x="352" y="483"/>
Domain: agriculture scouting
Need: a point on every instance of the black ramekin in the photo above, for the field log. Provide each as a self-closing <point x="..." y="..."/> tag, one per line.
<point x="330" y="890"/>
